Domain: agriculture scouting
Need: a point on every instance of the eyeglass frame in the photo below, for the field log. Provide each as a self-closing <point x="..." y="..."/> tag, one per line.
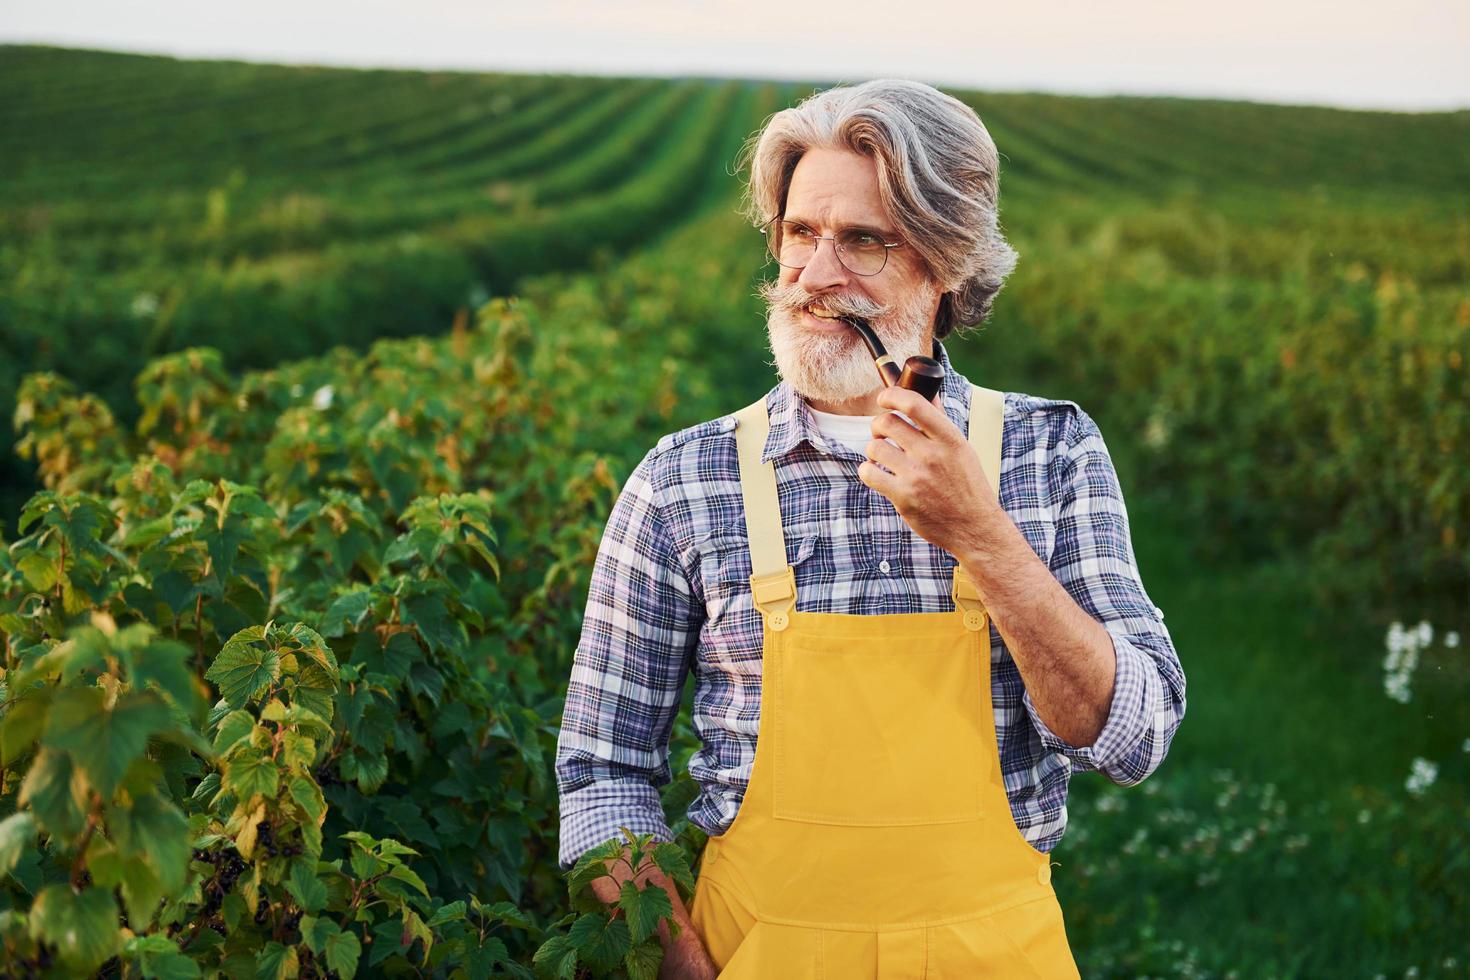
<point x="765" y="228"/>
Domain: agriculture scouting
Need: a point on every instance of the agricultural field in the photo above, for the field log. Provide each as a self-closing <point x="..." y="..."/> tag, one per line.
<point x="324" y="383"/>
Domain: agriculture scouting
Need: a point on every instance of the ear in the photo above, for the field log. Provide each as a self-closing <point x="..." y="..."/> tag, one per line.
<point x="944" y="316"/>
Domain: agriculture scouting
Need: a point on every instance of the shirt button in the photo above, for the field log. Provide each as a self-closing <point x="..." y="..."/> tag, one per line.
<point x="883" y="566"/>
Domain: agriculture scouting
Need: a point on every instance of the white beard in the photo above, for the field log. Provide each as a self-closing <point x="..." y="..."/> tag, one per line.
<point x="837" y="367"/>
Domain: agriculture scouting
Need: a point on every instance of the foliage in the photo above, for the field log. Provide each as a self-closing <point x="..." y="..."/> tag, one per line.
<point x="284" y="651"/>
<point x="359" y="570"/>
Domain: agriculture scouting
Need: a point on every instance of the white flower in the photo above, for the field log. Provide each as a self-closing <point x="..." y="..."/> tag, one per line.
<point x="1421" y="776"/>
<point x="1426" y="633"/>
<point x="1452" y="639"/>
<point x="321" y="400"/>
<point x="1156" y="429"/>
<point x="1402" y="659"/>
<point x="144" y="304"/>
<point x="1465" y="745"/>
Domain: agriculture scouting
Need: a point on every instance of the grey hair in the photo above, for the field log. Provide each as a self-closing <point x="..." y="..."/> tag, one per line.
<point x="938" y="176"/>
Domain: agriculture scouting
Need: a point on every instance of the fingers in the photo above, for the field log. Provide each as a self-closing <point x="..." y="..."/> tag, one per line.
<point x="885" y="483"/>
<point x="885" y="452"/>
<point x="925" y="413"/>
<point x="891" y="426"/>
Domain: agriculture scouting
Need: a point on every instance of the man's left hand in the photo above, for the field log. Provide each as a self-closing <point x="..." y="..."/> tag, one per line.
<point x="936" y="483"/>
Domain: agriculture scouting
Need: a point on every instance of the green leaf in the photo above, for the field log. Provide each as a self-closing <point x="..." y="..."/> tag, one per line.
<point x="308" y="721"/>
<point x="643" y="961"/>
<point x="140" y="536"/>
<point x="342" y="951"/>
<point x="405" y="814"/>
<point x="175" y="589"/>
<point x="232" y="728"/>
<point x="17" y="834"/>
<point x="208" y="786"/>
<point x="388" y="941"/>
<point x="276" y="962"/>
<point x="154" y="830"/>
<point x="313" y="688"/>
<point x="251" y="772"/>
<point x="83" y="928"/>
<point x="165" y="663"/>
<point x="297" y="751"/>
<point x="556" y="958"/>
<point x="104" y="743"/>
<point x="48" y="790"/>
<point x="243" y="670"/>
<point x="671" y="861"/>
<point x="314" y="648"/>
<point x="453" y="912"/>
<point x="22" y="725"/>
<point x="438" y="629"/>
<point x="483" y="960"/>
<point x="368" y="769"/>
<point x="600" y="941"/>
<point x="644" y="907"/>
<point x="344" y="613"/>
<point x="405" y="874"/>
<point x="593" y="865"/>
<point x="158" y="958"/>
<point x="390" y="848"/>
<point x="315" y="932"/>
<point x="110" y="867"/>
<point x="365" y="864"/>
<point x="307" y="888"/>
<point x="224" y="545"/>
<point x="414" y="927"/>
<point x="308" y="795"/>
<point x="509" y="914"/>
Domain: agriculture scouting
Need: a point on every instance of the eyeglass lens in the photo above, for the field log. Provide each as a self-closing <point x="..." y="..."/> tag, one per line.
<point x="793" y="246"/>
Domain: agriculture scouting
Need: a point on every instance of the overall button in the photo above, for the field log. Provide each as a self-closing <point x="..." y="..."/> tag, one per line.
<point x="974" y="619"/>
<point x="779" y="621"/>
<point x="1043" y="873"/>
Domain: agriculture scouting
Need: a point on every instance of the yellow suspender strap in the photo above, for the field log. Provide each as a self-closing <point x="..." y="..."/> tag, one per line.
<point x="773" y="581"/>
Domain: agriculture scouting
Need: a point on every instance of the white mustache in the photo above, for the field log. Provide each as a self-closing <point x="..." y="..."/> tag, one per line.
<point x="793" y="298"/>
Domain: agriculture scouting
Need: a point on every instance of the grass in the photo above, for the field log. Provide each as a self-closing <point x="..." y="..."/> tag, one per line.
<point x="1278" y="838"/>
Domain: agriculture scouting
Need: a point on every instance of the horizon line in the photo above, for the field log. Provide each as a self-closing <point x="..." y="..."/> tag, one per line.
<point x="423" y="68"/>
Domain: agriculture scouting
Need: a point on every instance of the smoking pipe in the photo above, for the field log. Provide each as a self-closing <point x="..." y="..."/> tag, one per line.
<point x="920" y="373"/>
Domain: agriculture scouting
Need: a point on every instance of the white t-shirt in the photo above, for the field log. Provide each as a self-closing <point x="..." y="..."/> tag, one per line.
<point x="853" y="431"/>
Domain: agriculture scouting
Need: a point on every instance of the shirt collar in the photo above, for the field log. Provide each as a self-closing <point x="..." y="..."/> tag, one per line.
<point x="792" y="422"/>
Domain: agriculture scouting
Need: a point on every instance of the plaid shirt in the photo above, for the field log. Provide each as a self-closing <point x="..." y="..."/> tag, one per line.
<point x="670" y="593"/>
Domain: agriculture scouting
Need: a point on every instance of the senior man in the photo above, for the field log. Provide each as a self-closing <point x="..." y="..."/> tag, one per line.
<point x="909" y="621"/>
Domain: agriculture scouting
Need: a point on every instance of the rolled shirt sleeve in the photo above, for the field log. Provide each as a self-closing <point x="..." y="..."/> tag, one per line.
<point x="1093" y="559"/>
<point x="640" y="628"/>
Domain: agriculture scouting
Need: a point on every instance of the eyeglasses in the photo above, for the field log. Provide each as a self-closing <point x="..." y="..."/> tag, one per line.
<point x="793" y="244"/>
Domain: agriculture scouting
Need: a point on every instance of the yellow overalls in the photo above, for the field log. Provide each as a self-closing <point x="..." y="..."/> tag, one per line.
<point x="875" y="839"/>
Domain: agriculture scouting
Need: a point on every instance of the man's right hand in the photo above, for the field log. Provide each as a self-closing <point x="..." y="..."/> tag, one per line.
<point x="688" y="962"/>
<point x="685" y="957"/>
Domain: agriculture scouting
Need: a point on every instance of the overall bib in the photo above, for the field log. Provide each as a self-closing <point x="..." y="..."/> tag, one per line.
<point x="875" y="839"/>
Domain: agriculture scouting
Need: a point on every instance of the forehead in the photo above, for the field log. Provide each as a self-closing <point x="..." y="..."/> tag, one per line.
<point x="836" y="187"/>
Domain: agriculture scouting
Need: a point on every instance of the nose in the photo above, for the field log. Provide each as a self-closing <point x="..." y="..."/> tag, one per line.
<point x="823" y="271"/>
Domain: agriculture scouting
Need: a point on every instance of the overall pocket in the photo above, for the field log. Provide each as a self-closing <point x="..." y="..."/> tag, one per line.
<point x="878" y="732"/>
<point x="1027" y="942"/>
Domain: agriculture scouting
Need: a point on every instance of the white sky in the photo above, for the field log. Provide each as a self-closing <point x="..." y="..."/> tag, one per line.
<point x="1411" y="54"/>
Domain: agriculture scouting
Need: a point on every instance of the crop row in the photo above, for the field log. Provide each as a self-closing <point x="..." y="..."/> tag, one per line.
<point x="350" y="293"/>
